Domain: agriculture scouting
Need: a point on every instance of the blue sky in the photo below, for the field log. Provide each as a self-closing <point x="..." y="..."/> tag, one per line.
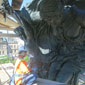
<point x="24" y="2"/>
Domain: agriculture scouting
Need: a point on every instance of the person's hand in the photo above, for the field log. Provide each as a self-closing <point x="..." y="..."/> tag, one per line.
<point x="34" y="69"/>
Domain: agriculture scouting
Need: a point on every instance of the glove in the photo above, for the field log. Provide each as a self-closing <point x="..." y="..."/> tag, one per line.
<point x="34" y="69"/>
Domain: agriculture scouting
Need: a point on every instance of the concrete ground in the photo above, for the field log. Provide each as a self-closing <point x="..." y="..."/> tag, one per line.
<point x="6" y="71"/>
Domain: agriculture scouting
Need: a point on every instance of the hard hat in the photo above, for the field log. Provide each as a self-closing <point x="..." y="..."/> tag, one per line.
<point x="22" y="48"/>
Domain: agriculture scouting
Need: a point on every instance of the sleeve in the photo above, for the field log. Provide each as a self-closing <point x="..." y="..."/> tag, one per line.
<point x="24" y="68"/>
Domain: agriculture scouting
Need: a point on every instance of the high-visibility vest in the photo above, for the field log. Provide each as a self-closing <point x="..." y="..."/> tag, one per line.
<point x="21" y="69"/>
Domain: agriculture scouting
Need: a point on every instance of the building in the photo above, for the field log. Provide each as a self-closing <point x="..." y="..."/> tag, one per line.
<point x="8" y="46"/>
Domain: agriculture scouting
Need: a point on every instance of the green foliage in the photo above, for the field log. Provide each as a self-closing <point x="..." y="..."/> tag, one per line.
<point x="5" y="59"/>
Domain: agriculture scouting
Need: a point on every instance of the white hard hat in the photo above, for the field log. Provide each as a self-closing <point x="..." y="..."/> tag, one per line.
<point x="22" y="48"/>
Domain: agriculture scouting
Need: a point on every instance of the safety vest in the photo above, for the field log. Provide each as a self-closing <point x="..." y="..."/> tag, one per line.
<point x="20" y="69"/>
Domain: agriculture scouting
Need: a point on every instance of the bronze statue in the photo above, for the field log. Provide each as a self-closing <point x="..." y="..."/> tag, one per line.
<point x="54" y="32"/>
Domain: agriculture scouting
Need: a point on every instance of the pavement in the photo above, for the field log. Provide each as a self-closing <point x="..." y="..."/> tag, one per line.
<point x="7" y="70"/>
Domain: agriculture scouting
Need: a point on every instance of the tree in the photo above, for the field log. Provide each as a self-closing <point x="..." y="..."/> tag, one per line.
<point x="54" y="34"/>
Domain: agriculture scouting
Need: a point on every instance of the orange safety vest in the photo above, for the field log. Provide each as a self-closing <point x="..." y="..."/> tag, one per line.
<point x="20" y="68"/>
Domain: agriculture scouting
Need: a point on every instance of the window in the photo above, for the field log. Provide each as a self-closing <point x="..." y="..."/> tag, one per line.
<point x="3" y="52"/>
<point x="14" y="46"/>
<point x="12" y="51"/>
<point x="11" y="46"/>
<point x="15" y="51"/>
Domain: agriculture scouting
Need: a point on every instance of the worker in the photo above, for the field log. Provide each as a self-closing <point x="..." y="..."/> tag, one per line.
<point x="23" y="74"/>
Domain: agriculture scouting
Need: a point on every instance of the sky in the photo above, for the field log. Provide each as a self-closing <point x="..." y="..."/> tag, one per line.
<point x="24" y="2"/>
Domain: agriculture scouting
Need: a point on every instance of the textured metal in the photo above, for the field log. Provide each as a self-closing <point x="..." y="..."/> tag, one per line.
<point x="59" y="29"/>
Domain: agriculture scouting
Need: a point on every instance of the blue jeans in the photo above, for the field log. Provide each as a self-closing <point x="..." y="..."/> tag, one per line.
<point x="29" y="79"/>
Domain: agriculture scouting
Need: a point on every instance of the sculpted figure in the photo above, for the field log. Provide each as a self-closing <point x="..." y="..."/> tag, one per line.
<point x="54" y="32"/>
